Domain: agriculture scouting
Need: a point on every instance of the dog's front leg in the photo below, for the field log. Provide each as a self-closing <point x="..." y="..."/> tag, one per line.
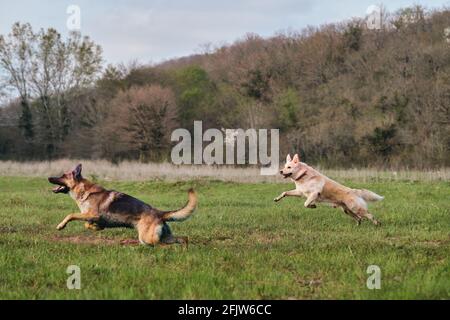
<point x="292" y="193"/>
<point x="93" y="226"/>
<point x="77" y="216"/>
<point x="309" y="203"/>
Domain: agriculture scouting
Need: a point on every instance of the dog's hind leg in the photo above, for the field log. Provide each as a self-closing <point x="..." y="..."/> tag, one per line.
<point x="168" y="238"/>
<point x="173" y="240"/>
<point x="149" y="234"/>
<point x="356" y="208"/>
<point x="359" y="208"/>
<point x="368" y="215"/>
<point x="351" y="214"/>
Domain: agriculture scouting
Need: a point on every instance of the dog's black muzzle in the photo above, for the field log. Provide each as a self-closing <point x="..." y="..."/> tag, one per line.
<point x="286" y="175"/>
<point x="61" y="188"/>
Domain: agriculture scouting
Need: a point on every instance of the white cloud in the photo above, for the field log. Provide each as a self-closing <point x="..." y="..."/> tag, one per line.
<point x="159" y="32"/>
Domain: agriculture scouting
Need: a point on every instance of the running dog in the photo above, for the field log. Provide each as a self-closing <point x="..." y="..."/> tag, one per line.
<point x="102" y="208"/>
<point x="317" y="188"/>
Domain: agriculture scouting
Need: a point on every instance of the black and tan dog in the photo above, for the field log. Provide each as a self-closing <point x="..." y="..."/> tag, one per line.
<point x="102" y="208"/>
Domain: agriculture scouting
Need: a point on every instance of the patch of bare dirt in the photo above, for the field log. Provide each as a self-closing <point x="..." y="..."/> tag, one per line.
<point x="312" y="283"/>
<point x="435" y="243"/>
<point x="7" y="229"/>
<point x="266" y="239"/>
<point x="208" y="241"/>
<point x="94" y="240"/>
<point x="432" y="243"/>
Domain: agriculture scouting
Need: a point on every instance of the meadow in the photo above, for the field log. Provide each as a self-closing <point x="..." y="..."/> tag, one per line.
<point x="242" y="244"/>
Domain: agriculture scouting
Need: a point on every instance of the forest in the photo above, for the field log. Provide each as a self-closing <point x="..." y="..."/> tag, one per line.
<point x="343" y="95"/>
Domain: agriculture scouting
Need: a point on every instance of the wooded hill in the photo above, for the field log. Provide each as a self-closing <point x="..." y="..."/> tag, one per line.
<point x="342" y="95"/>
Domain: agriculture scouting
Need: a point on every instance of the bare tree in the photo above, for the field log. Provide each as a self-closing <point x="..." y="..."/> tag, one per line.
<point x="48" y="70"/>
<point x="145" y="116"/>
<point x="15" y="67"/>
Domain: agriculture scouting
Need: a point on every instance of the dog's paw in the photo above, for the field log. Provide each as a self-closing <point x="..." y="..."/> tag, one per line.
<point x="60" y="226"/>
<point x="277" y="199"/>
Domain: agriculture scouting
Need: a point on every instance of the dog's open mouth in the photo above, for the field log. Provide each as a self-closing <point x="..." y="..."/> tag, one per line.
<point x="287" y="175"/>
<point x="60" y="189"/>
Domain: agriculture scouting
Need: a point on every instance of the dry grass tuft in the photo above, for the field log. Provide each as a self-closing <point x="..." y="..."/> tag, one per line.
<point x="135" y="171"/>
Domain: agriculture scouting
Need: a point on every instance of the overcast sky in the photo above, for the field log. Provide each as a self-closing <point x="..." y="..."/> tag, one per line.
<point x="152" y="31"/>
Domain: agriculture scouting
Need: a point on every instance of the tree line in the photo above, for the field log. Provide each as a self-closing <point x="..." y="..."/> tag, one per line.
<point x="342" y="94"/>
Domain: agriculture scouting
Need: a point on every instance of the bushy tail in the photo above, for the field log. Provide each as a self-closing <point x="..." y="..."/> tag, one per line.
<point x="368" y="195"/>
<point x="185" y="212"/>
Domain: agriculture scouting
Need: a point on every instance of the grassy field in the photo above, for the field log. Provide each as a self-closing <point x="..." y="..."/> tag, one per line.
<point x="242" y="245"/>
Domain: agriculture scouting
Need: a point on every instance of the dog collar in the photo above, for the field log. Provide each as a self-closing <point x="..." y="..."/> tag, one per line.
<point x="301" y="176"/>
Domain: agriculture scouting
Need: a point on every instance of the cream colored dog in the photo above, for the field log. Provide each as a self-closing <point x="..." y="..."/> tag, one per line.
<point x="316" y="188"/>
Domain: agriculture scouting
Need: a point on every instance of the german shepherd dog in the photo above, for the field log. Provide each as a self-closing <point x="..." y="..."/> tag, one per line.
<point x="316" y="188"/>
<point x="102" y="208"/>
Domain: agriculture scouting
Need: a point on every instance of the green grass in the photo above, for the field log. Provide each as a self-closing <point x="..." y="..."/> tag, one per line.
<point x="243" y="245"/>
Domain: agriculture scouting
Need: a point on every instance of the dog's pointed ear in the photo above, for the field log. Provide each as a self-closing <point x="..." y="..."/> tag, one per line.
<point x="288" y="158"/>
<point x="77" y="172"/>
<point x="296" y="158"/>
